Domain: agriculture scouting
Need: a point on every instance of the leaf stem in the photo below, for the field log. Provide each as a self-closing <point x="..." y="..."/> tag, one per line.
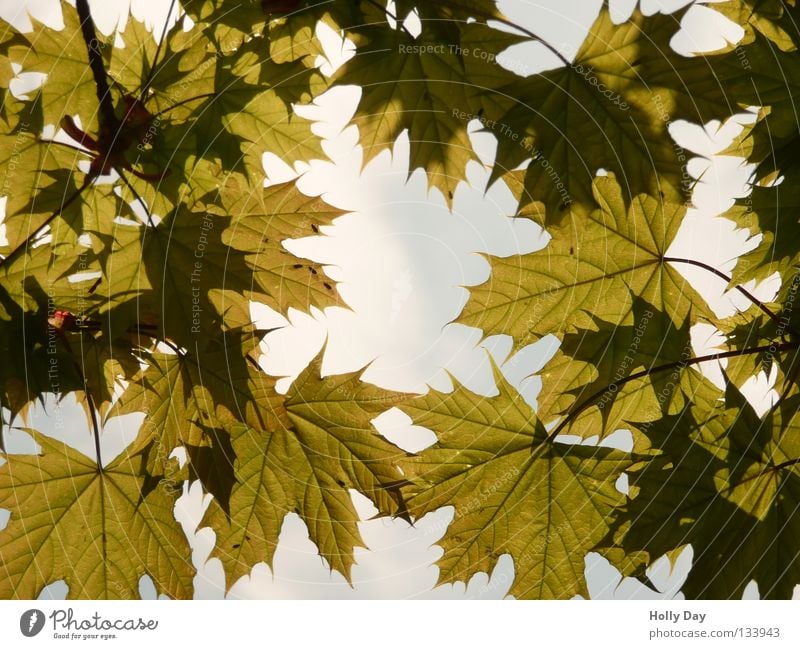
<point x="183" y="102"/>
<point x="90" y="404"/>
<point x="615" y="385"/>
<point x="153" y="66"/>
<point x="763" y="307"/>
<point x="137" y="197"/>
<point x="95" y="426"/>
<point x="69" y="146"/>
<point x="786" y="464"/>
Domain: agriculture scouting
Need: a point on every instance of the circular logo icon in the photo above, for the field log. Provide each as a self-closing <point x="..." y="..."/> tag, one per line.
<point x="31" y="622"/>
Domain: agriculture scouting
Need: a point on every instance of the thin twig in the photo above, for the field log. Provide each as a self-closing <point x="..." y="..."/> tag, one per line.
<point x="786" y="464"/>
<point x="615" y="385"/>
<point x="95" y="425"/>
<point x="182" y="102"/>
<point x="764" y="308"/>
<point x="68" y="146"/>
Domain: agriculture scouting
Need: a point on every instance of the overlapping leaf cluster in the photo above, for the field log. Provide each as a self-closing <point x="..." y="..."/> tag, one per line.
<point x="159" y="261"/>
<point x="156" y="259"/>
<point x="611" y="187"/>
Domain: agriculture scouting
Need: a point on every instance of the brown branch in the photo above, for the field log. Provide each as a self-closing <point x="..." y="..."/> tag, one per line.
<point x="109" y="117"/>
<point x="95" y="426"/>
<point x="786" y="464"/>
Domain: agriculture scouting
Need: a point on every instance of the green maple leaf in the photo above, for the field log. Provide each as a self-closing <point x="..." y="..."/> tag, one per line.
<point x="772" y="19"/>
<point x="190" y="397"/>
<point x="430" y="86"/>
<point x="62" y="55"/>
<point x="251" y="111"/>
<point x="727" y="482"/>
<point x="590" y="386"/>
<point x="546" y="504"/>
<point x="289" y="25"/>
<point x="37" y="177"/>
<point x="105" y="365"/>
<point x="769" y="211"/>
<point x="216" y="97"/>
<point x="98" y="530"/>
<point x="261" y="222"/>
<point x="293" y="38"/>
<point x="451" y="9"/>
<point x="170" y="274"/>
<point x="228" y="24"/>
<point x="303" y="456"/>
<point x="608" y="109"/>
<point x="33" y="284"/>
<point x="591" y="270"/>
<point x="761" y="71"/>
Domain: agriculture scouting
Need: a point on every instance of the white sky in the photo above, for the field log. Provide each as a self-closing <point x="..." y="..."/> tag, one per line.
<point x="400" y="258"/>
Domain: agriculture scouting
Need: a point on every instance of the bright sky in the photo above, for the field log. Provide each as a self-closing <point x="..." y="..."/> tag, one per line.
<point x="401" y="260"/>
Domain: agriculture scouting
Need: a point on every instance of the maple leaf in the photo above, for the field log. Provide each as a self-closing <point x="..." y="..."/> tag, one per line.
<point x="261" y="222"/>
<point x="609" y="109"/>
<point x="101" y="276"/>
<point x="727" y="482"/>
<point x="69" y="88"/>
<point x="94" y="528"/>
<point x="590" y="271"/>
<point x="37" y="178"/>
<point x="769" y="211"/>
<point x="772" y="19"/>
<point x="37" y="358"/>
<point x="234" y="244"/>
<point x="189" y="398"/>
<point x="451" y="9"/>
<point x="304" y="457"/>
<point x="590" y="386"/>
<point x="288" y="24"/>
<point x="428" y="86"/>
<point x="546" y="504"/>
<point x="293" y="38"/>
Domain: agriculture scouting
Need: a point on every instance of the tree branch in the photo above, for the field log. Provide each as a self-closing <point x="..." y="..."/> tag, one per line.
<point x="786" y="464"/>
<point x="109" y="117"/>
<point x="95" y="426"/>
